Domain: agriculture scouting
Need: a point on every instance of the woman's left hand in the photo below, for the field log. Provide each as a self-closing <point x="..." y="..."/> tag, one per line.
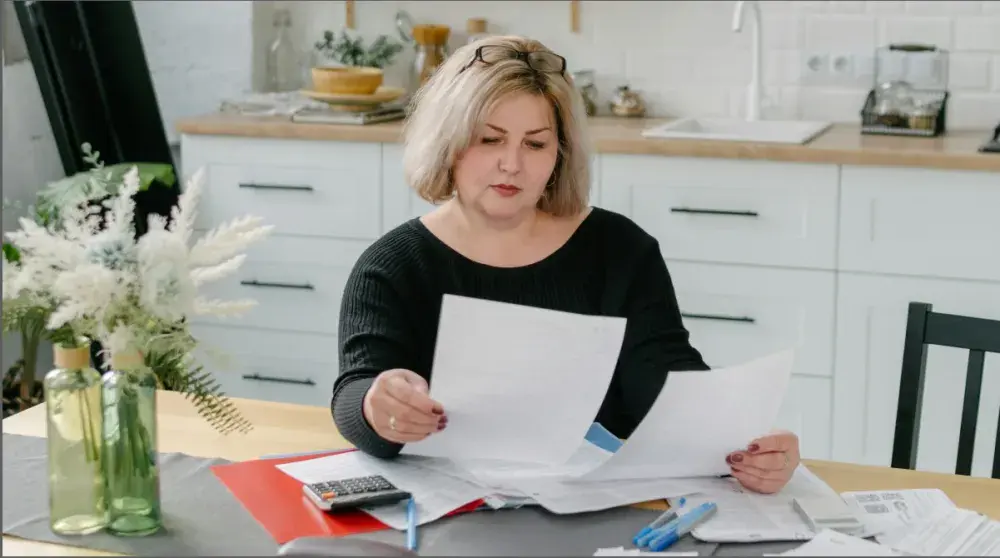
<point x="768" y="462"/>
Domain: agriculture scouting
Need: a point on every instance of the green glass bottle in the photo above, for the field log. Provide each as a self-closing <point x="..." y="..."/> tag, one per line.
<point x="131" y="464"/>
<point x="77" y="502"/>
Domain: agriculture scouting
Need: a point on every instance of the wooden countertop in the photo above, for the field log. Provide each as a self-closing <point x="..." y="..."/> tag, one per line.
<point x="284" y="428"/>
<point x="841" y="144"/>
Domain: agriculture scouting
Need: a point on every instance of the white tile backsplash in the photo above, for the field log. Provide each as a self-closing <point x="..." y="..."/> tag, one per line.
<point x="684" y="58"/>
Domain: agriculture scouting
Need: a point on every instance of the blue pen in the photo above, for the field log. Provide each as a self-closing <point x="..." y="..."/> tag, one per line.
<point x="666" y="536"/>
<point x="643" y="536"/>
<point x="411" y="524"/>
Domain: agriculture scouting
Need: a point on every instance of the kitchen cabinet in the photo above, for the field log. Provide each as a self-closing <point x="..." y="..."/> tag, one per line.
<point x="764" y="255"/>
<point x="871" y="326"/>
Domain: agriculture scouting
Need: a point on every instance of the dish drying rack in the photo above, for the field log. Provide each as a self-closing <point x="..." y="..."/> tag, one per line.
<point x="910" y="93"/>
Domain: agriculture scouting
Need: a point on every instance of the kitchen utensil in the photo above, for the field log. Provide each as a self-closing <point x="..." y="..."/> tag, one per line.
<point x="910" y="93"/>
<point x="584" y="82"/>
<point x="357" y="102"/>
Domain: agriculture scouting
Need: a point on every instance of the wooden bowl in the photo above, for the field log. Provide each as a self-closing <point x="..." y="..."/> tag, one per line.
<point x="351" y="80"/>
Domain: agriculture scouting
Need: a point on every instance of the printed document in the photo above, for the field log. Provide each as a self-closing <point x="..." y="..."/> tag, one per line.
<point x="887" y="510"/>
<point x="518" y="383"/>
<point x="747" y="516"/>
<point x="950" y="532"/>
<point x="436" y="494"/>
<point x="622" y="551"/>
<point x="832" y="543"/>
<point x="701" y="417"/>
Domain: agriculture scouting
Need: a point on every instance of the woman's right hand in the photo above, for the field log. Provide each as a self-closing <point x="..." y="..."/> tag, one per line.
<point x="398" y="408"/>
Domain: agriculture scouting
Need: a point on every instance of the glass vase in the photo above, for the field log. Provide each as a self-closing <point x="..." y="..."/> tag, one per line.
<point x="131" y="465"/>
<point x="77" y="497"/>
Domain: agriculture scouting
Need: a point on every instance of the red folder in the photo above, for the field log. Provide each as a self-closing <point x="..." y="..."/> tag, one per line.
<point x="276" y="501"/>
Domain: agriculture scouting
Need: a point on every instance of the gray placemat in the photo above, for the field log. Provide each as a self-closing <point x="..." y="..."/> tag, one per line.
<point x="201" y="516"/>
<point x="532" y="531"/>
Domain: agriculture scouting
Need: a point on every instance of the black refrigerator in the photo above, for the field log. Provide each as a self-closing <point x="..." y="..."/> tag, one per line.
<point x="96" y="85"/>
<point x="97" y="88"/>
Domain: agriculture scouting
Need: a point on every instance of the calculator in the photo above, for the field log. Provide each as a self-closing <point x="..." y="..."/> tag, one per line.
<point x="356" y="492"/>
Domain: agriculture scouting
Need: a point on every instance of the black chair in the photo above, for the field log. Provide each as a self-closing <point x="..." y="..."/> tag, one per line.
<point x="925" y="327"/>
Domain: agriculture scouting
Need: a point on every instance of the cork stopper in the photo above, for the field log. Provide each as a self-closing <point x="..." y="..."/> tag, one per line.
<point x="126" y="360"/>
<point x="475" y="25"/>
<point x="431" y="35"/>
<point x="71" y="358"/>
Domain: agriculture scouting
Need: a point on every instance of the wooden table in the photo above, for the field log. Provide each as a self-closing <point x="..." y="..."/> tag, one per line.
<point x="284" y="428"/>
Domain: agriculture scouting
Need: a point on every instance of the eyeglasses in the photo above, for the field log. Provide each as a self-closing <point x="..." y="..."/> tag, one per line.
<point x="540" y="61"/>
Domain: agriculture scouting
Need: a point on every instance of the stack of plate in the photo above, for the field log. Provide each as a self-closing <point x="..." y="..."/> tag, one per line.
<point x="351" y="89"/>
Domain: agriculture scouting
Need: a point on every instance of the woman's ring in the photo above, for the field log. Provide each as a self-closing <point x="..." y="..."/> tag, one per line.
<point x="786" y="460"/>
<point x="392" y="426"/>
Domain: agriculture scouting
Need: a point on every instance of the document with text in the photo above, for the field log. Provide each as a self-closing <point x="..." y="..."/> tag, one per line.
<point x="701" y="417"/>
<point x="518" y="383"/>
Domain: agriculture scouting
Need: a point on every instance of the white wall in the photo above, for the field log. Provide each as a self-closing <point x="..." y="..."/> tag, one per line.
<point x="30" y="159"/>
<point x="684" y="58"/>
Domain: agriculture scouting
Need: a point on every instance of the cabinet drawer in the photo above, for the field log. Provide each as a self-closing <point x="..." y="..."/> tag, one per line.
<point x="311" y="188"/>
<point x="269" y="365"/>
<point x="738" y="313"/>
<point x="298" y="284"/>
<point x="920" y="222"/>
<point x="728" y="211"/>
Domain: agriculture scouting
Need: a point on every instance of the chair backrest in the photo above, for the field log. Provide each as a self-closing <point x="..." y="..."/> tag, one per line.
<point x="925" y="327"/>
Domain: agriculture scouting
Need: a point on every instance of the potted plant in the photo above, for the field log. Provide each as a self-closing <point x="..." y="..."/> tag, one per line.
<point x="27" y="313"/>
<point x="352" y="69"/>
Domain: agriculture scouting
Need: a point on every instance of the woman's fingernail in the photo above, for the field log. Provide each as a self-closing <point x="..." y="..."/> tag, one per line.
<point x="736" y="458"/>
<point x="753" y="448"/>
<point x="729" y="459"/>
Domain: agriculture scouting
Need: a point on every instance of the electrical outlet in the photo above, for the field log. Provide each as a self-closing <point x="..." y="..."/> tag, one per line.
<point x="841" y="66"/>
<point x="815" y="68"/>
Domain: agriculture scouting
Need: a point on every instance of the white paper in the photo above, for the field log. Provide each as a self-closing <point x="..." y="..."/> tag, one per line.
<point x="832" y="543"/>
<point x="518" y="383"/>
<point x="701" y="417"/>
<point x="435" y="494"/>
<point x="567" y="497"/>
<point x="746" y="516"/>
<point x="500" y="473"/>
<point x="950" y="532"/>
<point x="886" y="510"/>
<point x="622" y="551"/>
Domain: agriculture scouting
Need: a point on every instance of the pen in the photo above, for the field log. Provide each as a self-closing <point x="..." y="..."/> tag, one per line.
<point x="666" y="536"/>
<point x="641" y="538"/>
<point x="411" y="524"/>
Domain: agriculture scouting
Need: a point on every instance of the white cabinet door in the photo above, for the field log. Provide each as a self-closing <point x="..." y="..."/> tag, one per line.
<point x="930" y="223"/>
<point x="807" y="412"/>
<point x="871" y="327"/>
<point x="728" y="211"/>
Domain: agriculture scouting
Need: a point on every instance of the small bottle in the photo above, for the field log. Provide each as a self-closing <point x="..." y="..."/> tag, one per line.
<point x="284" y="71"/>
<point x="132" y="467"/>
<point x="476" y="28"/>
<point x="77" y="498"/>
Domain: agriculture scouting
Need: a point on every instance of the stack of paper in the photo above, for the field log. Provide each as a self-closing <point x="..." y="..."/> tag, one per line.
<point x="521" y="387"/>
<point x="951" y="532"/>
<point x="832" y="543"/>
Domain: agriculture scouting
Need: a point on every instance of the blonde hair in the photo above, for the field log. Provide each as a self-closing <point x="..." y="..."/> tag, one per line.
<point x="446" y="112"/>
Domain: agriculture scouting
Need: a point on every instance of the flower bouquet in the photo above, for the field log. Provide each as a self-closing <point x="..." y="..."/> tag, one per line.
<point x="98" y="282"/>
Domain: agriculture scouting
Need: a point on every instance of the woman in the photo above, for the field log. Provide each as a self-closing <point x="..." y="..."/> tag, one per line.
<point x="497" y="137"/>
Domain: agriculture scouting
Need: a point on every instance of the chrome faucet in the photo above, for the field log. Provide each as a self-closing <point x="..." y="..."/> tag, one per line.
<point x="754" y="92"/>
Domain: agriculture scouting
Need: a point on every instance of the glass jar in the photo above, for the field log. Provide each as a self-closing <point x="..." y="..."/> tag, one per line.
<point x="430" y="43"/>
<point x="284" y="71"/>
<point x="77" y="498"/>
<point x="131" y="461"/>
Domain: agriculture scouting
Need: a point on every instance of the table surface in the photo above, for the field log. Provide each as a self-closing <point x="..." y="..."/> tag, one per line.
<point x="286" y="428"/>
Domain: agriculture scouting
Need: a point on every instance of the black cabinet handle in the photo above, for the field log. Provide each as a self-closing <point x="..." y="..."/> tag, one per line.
<point x="292" y="187"/>
<point x="718" y="317"/>
<point x="259" y="378"/>
<point x="696" y="211"/>
<point x="256" y="283"/>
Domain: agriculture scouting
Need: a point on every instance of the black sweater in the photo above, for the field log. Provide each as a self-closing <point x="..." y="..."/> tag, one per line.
<point x="610" y="266"/>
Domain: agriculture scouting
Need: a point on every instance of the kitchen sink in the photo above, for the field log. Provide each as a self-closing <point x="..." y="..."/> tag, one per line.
<point x="733" y="129"/>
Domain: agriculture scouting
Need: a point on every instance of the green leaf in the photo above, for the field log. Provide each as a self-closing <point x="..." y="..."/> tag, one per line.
<point x="11" y="253"/>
